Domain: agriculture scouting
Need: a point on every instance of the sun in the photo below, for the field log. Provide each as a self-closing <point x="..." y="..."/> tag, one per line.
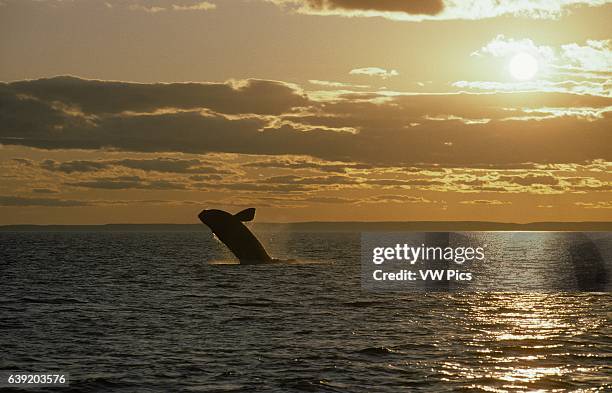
<point x="523" y="66"/>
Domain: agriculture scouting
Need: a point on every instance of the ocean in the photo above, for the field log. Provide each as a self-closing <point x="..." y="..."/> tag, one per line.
<point x="170" y="311"/>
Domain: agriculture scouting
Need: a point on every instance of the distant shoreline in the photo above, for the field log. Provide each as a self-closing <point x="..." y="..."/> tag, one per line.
<point x="344" y="226"/>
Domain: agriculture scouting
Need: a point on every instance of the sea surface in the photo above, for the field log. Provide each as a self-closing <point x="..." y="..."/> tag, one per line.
<point x="171" y="311"/>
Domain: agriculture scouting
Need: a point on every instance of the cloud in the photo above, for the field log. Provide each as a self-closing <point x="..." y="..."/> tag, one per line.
<point x="337" y="84"/>
<point x="24" y="161"/>
<point x="254" y="187"/>
<point x="595" y="205"/>
<point x="298" y="178"/>
<point x="304" y="164"/>
<point x="127" y="98"/>
<point x="429" y="7"/>
<point x="275" y="118"/>
<point x="404" y="182"/>
<point x="421" y="10"/>
<point x="598" y="88"/>
<point x="312" y="180"/>
<point x="128" y="182"/>
<point x="44" y="191"/>
<point x="530" y="179"/>
<point x="501" y="46"/>
<point x="596" y="55"/>
<point x="328" y="199"/>
<point x="374" y="71"/>
<point x="48" y="202"/>
<point x="18" y="201"/>
<point x="149" y="9"/>
<point x="397" y="199"/>
<point x="161" y="164"/>
<point x="201" y="6"/>
<point x="170" y="165"/>
<point x="184" y="6"/>
<point x="203" y="178"/>
<point x="573" y="67"/>
<point x="374" y="199"/>
<point x="73" y="166"/>
<point x="484" y="202"/>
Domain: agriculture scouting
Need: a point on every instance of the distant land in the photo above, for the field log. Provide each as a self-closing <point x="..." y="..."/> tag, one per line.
<point x="345" y="226"/>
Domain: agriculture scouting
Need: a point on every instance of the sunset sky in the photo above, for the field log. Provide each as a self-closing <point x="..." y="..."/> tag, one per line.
<point x="310" y="110"/>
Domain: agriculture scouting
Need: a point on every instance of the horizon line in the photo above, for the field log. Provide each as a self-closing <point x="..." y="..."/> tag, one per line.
<point x="333" y="222"/>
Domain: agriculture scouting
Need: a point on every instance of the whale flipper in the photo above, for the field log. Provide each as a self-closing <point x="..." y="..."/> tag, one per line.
<point x="246" y="215"/>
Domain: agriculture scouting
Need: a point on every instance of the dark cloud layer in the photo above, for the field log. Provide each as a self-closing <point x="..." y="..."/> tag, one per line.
<point x="307" y="165"/>
<point x="427" y="7"/>
<point x="420" y="10"/>
<point x="284" y="180"/>
<point x="128" y="182"/>
<point x="74" y="166"/>
<point x="162" y="165"/>
<point x="273" y="118"/>
<point x="95" y="96"/>
<point x="48" y="202"/>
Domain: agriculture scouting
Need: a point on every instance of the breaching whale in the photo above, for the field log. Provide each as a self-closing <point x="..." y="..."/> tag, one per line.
<point x="235" y="235"/>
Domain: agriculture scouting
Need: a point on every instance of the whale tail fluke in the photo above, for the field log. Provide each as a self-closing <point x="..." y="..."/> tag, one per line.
<point x="246" y="214"/>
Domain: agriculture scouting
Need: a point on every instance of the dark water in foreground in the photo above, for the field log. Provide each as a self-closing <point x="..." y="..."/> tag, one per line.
<point x="145" y="311"/>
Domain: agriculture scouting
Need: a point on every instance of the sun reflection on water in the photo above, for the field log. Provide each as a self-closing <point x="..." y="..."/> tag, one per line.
<point x="526" y="342"/>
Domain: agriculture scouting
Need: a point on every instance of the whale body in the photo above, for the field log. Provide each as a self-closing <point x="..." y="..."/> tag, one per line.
<point x="235" y="235"/>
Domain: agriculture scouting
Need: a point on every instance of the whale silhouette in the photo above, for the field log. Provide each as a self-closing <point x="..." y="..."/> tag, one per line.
<point x="235" y="235"/>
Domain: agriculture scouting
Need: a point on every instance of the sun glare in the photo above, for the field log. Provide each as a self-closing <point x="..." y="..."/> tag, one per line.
<point x="523" y="66"/>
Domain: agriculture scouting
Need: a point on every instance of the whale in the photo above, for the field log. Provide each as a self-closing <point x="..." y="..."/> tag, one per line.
<point x="229" y="228"/>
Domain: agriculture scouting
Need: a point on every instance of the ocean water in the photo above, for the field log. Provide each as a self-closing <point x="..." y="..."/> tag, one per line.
<point x="168" y="312"/>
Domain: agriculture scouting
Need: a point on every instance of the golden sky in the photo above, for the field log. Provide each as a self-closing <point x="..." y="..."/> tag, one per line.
<point x="310" y="110"/>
